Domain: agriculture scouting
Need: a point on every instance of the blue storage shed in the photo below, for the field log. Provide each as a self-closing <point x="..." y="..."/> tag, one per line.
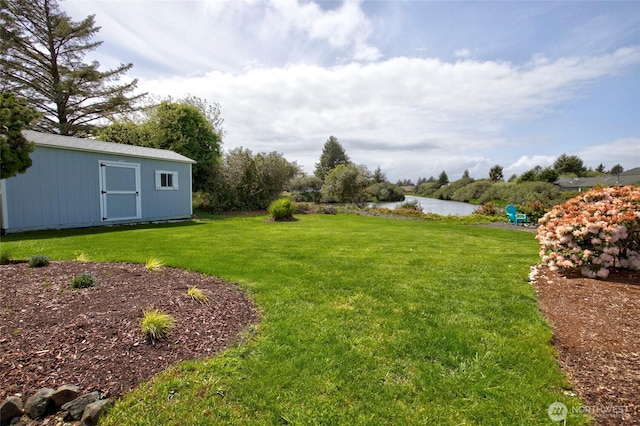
<point x="76" y="182"/>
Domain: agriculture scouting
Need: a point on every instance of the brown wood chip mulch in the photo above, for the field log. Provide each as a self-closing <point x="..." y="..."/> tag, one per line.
<point x="596" y="333"/>
<point x="51" y="334"/>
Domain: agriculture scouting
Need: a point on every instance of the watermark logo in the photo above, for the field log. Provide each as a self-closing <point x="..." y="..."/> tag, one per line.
<point x="557" y="411"/>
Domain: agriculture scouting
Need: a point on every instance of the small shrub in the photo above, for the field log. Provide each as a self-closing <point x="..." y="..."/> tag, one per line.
<point x="282" y="209"/>
<point x="84" y="280"/>
<point x="198" y="295"/>
<point x="38" y="261"/>
<point x="304" y="207"/>
<point x="594" y="232"/>
<point x="155" y="324"/>
<point x="488" y="209"/>
<point x="154" y="264"/>
<point x="411" y="205"/>
<point x="329" y="210"/>
<point x="534" y="210"/>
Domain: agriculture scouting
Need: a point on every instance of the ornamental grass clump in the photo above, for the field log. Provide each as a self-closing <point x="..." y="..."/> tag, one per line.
<point x="154" y="264"/>
<point x="194" y="293"/>
<point x="155" y="324"/>
<point x="593" y="232"/>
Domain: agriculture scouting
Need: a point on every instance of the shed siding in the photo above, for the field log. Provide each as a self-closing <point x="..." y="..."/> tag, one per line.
<point x="62" y="189"/>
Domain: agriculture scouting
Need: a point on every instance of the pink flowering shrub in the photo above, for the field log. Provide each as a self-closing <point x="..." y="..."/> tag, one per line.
<point x="594" y="231"/>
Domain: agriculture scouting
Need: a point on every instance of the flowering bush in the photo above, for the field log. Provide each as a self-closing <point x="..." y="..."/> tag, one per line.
<point x="594" y="231"/>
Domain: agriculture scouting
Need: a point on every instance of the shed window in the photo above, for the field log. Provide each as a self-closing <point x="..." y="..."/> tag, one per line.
<point x="166" y="180"/>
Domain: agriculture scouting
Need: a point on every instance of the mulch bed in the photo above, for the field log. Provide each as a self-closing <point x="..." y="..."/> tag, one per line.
<point x="51" y="334"/>
<point x="596" y="332"/>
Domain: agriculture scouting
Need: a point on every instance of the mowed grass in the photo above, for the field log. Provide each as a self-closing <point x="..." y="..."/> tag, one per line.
<point x="365" y="321"/>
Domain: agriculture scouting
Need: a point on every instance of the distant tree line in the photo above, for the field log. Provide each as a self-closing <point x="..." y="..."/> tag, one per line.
<point x="534" y="192"/>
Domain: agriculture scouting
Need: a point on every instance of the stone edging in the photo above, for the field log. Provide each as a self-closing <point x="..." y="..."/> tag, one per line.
<point x="66" y="403"/>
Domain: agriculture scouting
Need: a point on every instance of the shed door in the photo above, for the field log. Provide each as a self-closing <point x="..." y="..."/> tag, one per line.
<point x="119" y="190"/>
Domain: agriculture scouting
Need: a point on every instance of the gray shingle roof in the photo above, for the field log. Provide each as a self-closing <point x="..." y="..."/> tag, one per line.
<point x="80" y="144"/>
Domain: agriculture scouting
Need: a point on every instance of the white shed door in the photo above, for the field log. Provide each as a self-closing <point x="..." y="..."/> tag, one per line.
<point x="119" y="191"/>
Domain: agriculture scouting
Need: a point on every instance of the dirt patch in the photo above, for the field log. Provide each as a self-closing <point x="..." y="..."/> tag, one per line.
<point x="51" y="334"/>
<point x="596" y="332"/>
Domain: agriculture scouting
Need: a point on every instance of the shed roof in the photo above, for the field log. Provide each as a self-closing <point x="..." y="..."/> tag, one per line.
<point x="81" y="144"/>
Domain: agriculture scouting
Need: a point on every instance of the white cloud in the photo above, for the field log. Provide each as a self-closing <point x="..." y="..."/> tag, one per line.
<point x="526" y="162"/>
<point x="623" y="151"/>
<point x="289" y="73"/>
<point x="462" y="53"/>
<point x="406" y="110"/>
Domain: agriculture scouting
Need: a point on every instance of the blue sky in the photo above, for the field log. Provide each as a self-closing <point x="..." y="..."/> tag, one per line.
<point x="415" y="87"/>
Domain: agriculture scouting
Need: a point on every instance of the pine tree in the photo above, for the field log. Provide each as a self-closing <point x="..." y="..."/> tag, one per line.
<point x="333" y="154"/>
<point x="41" y="59"/>
<point x="496" y="173"/>
<point x="14" y="148"/>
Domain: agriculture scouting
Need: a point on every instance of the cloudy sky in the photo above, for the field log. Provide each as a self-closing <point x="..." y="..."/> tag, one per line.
<point x="415" y="87"/>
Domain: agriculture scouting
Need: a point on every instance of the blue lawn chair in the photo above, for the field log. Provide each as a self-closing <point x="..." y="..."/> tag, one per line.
<point x="514" y="216"/>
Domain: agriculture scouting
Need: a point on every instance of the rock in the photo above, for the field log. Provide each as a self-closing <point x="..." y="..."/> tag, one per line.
<point x="64" y="394"/>
<point x="77" y="406"/>
<point x="17" y="421"/>
<point x="10" y="408"/>
<point x="39" y="404"/>
<point x="93" y="411"/>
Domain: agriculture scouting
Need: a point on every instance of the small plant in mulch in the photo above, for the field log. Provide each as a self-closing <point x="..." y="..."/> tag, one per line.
<point x="198" y="295"/>
<point x="38" y="261"/>
<point x="154" y="264"/>
<point x="155" y="324"/>
<point x="82" y="257"/>
<point x="84" y="280"/>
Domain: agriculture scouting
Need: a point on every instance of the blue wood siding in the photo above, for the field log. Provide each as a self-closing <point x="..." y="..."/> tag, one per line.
<point x="62" y="189"/>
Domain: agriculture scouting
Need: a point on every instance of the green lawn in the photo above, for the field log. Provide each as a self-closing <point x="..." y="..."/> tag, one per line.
<point x="365" y="321"/>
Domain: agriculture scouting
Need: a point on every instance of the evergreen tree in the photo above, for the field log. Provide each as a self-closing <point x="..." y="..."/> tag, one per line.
<point x="495" y="174"/>
<point x="443" y="179"/>
<point x="569" y="164"/>
<point x="41" y="59"/>
<point x="14" y="148"/>
<point x="333" y="154"/>
<point x="616" y="170"/>
<point x="378" y="176"/>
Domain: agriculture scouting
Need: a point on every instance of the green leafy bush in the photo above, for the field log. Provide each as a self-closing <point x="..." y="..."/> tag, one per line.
<point x="472" y="191"/>
<point x="155" y="324"/>
<point x="594" y="232"/>
<point x="385" y="191"/>
<point x="84" y="280"/>
<point x="282" y="209"/>
<point x="38" y="261"/>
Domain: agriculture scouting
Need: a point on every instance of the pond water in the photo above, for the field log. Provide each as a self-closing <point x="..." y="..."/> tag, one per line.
<point x="432" y="205"/>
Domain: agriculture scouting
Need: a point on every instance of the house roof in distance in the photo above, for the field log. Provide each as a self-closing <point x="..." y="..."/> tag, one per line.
<point x="630" y="177"/>
<point x="81" y="144"/>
